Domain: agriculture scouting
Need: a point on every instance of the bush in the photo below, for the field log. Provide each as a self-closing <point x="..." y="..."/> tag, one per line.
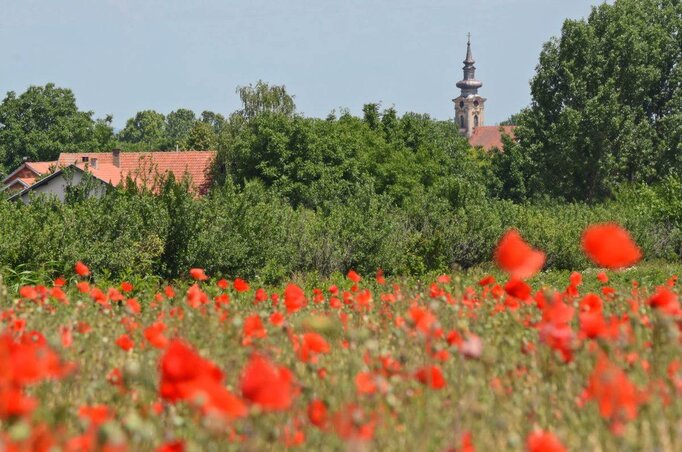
<point x="254" y="232"/>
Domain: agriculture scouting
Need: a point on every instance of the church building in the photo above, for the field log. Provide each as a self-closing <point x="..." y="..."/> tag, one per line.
<point x="470" y="110"/>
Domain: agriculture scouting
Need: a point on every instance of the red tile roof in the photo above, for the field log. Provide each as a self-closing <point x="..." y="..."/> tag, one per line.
<point x="108" y="173"/>
<point x="489" y="137"/>
<point x="144" y="167"/>
<point x="27" y="180"/>
<point x="41" y="167"/>
<point x="28" y="170"/>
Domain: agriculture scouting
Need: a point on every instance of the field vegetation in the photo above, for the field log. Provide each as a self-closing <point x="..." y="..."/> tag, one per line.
<point x="466" y="361"/>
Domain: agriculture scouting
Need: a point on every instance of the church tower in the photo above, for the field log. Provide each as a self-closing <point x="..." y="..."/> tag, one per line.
<point x="469" y="106"/>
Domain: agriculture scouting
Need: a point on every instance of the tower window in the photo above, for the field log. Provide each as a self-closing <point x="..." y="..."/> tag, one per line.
<point x="461" y="104"/>
<point x="476" y="103"/>
<point x="475" y="120"/>
<point x="461" y="121"/>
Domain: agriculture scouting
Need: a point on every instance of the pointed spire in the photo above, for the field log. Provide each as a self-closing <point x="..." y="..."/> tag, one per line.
<point x="469" y="85"/>
<point x="469" y="60"/>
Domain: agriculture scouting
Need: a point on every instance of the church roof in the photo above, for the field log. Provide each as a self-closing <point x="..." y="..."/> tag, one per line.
<point x="488" y="137"/>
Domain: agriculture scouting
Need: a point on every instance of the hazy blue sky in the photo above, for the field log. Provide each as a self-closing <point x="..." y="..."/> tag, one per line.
<point x="122" y="56"/>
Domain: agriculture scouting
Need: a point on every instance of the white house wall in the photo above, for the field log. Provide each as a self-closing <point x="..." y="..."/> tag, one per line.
<point x="56" y="187"/>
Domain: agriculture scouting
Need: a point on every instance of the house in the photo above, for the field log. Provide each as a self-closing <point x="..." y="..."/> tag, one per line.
<point x="109" y="169"/>
<point x="26" y="175"/>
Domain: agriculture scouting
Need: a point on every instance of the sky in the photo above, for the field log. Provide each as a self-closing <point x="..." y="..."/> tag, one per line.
<point x="123" y="56"/>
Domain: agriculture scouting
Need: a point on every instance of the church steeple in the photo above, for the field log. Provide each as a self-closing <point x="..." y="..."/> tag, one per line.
<point x="469" y="106"/>
<point x="469" y="59"/>
<point x="469" y="84"/>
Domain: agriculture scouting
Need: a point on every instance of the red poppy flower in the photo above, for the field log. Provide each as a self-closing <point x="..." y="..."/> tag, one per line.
<point x="610" y="387"/>
<point x="541" y="441"/>
<point x="431" y="376"/>
<point x="66" y="336"/>
<point x="253" y="329"/>
<point x="198" y="274"/>
<point x="81" y="269"/>
<point x="277" y="318"/>
<point x="95" y="414"/>
<point x="317" y="413"/>
<point x="260" y="296"/>
<point x="267" y="385"/>
<point x="240" y="285"/>
<point x="353" y="276"/>
<point x="380" y="277"/>
<point x="187" y="376"/>
<point x="294" y="298"/>
<point x="223" y="284"/>
<point x="125" y="342"/>
<point x="311" y="345"/>
<point x="126" y="287"/>
<point x="172" y="446"/>
<point x="609" y="245"/>
<point x="352" y="423"/>
<point x="516" y="257"/>
<point x="517" y="289"/>
<point x="666" y="301"/>
<point x="365" y="383"/>
<point x="154" y="334"/>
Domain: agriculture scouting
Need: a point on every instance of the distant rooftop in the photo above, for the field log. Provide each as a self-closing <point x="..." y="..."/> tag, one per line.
<point x="488" y="137"/>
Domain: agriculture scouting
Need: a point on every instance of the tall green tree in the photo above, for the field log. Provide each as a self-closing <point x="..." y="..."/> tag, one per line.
<point x="146" y="131"/>
<point x="257" y="100"/>
<point x="607" y="101"/>
<point x="44" y="121"/>
<point x="179" y="124"/>
<point x="264" y="98"/>
<point x="201" y="137"/>
<point x="215" y="120"/>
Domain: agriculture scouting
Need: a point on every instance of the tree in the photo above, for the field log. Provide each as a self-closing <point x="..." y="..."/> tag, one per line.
<point x="509" y="166"/>
<point x="202" y="137"/>
<point x="513" y="120"/>
<point x="215" y="120"/>
<point x="44" y="121"/>
<point x="104" y="136"/>
<point x="607" y="102"/>
<point x="263" y="98"/>
<point x="146" y="131"/>
<point x="179" y="123"/>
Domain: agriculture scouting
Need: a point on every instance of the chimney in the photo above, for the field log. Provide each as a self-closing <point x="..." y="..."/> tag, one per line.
<point x="93" y="162"/>
<point x="116" y="153"/>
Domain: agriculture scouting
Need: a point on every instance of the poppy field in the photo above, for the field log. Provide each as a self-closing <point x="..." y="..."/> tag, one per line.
<point x="512" y="358"/>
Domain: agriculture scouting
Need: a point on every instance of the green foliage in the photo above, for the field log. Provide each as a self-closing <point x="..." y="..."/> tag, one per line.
<point x="606" y="102"/>
<point x="44" y="121"/>
<point x="179" y="124"/>
<point x="145" y="131"/>
<point x="180" y="129"/>
<point x="254" y="232"/>
<point x="318" y="163"/>
<point x="509" y="178"/>
<point x="201" y="137"/>
<point x="263" y="98"/>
